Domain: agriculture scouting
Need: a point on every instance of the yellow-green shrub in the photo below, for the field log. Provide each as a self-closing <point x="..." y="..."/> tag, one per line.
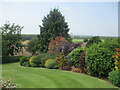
<point x="31" y="60"/>
<point x="50" y="64"/>
<point x="47" y="61"/>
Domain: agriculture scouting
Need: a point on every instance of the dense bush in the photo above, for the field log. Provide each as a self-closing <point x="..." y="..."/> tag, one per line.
<point x="24" y="59"/>
<point x="35" y="61"/>
<point x="47" y="61"/>
<point x="73" y="57"/>
<point x="44" y="57"/>
<point x="51" y="64"/>
<point x="10" y="59"/>
<point x="99" y="59"/>
<point x="114" y="77"/>
<point x="66" y="48"/>
<point x="82" y="65"/>
<point x="116" y="57"/>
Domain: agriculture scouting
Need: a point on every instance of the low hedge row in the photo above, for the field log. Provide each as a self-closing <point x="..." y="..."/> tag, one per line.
<point x="10" y="59"/>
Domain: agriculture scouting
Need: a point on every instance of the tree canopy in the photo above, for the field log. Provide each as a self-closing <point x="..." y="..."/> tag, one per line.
<point x="53" y="25"/>
<point x="11" y="37"/>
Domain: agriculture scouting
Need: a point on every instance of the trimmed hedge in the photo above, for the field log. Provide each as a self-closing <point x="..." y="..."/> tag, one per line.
<point x="10" y="59"/>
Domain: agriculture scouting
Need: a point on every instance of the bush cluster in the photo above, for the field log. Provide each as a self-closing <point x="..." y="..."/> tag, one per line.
<point x="50" y="64"/>
<point x="99" y="59"/>
<point x="23" y="60"/>
<point x="73" y="57"/>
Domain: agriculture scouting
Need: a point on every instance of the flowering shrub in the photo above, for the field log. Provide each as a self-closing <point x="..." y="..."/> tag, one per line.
<point x="7" y="85"/>
<point x="116" y="57"/>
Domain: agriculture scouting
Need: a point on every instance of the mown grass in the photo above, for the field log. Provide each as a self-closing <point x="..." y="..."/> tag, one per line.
<point x="27" y="77"/>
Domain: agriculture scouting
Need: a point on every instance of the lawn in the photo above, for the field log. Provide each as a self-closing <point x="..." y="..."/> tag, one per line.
<point x="27" y="77"/>
<point x="77" y="40"/>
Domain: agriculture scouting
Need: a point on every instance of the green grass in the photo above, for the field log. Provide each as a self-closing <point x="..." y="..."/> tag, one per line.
<point x="27" y="77"/>
<point x="77" y="40"/>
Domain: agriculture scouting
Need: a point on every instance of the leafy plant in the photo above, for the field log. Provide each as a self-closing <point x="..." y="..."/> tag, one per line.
<point x="73" y="57"/>
<point x="47" y="61"/>
<point x="93" y="40"/>
<point x="60" y="60"/>
<point x="56" y="42"/>
<point x="24" y="59"/>
<point x="114" y="77"/>
<point x="32" y="45"/>
<point x="51" y="64"/>
<point x="35" y="61"/>
<point x="99" y="59"/>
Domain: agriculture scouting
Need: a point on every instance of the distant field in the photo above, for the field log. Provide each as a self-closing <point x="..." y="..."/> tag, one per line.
<point x="77" y="40"/>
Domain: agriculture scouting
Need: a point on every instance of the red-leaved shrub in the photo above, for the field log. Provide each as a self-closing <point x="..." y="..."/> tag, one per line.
<point x="55" y="42"/>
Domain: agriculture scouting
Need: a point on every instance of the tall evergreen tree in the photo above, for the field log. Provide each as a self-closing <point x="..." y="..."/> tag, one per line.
<point x="54" y="25"/>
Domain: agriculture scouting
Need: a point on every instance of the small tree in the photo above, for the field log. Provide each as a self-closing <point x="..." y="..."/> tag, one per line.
<point x="11" y="39"/>
<point x="53" y="25"/>
<point x="32" y="45"/>
<point x="95" y="39"/>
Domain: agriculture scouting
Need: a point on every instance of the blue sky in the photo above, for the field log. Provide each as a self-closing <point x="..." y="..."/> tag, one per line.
<point x="84" y="18"/>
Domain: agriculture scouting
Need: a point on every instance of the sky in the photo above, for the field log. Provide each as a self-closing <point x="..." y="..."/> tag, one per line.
<point x="83" y="18"/>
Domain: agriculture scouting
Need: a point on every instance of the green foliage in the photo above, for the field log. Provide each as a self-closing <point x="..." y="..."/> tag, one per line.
<point x="53" y="25"/>
<point x="50" y="64"/>
<point x="11" y="39"/>
<point x="85" y="40"/>
<point x="10" y="59"/>
<point x="32" y="45"/>
<point x="73" y="57"/>
<point x="26" y="64"/>
<point x="44" y="57"/>
<point x="24" y="59"/>
<point x="114" y="77"/>
<point x="95" y="39"/>
<point x="47" y="61"/>
<point x="35" y="61"/>
<point x="99" y="59"/>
